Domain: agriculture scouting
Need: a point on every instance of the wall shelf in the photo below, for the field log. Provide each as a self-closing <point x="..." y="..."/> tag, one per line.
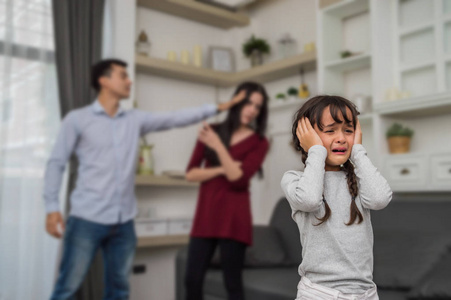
<point x="416" y="28"/>
<point x="350" y="63"/>
<point x="198" y="12"/>
<point x="416" y="66"/>
<point x="153" y="180"/>
<point x="416" y="107"/>
<point x="347" y="8"/>
<point x="286" y="104"/>
<point x="163" y="241"/>
<point x="265" y="73"/>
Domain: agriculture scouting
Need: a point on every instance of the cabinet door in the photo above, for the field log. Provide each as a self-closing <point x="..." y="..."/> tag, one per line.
<point x="440" y="165"/>
<point x="406" y="172"/>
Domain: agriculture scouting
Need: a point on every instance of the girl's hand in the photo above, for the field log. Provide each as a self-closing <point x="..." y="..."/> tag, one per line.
<point x="358" y="133"/>
<point x="209" y="137"/>
<point x="307" y="135"/>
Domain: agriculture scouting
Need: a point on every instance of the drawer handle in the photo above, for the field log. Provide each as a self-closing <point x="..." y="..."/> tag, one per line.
<point x="406" y="171"/>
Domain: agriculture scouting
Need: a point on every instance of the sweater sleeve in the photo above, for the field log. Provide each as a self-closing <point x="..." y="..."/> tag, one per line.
<point x="197" y="157"/>
<point x="251" y="164"/>
<point x="374" y="191"/>
<point x="304" y="190"/>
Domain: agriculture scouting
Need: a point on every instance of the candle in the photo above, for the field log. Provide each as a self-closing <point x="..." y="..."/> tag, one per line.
<point x="197" y="56"/>
<point x="184" y="57"/>
<point x="172" y="56"/>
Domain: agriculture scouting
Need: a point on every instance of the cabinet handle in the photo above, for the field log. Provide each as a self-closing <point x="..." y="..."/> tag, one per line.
<point x="449" y="171"/>
<point x="406" y="171"/>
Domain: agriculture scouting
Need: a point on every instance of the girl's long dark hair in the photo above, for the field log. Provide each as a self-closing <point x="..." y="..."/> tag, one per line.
<point x="233" y="119"/>
<point x="313" y="110"/>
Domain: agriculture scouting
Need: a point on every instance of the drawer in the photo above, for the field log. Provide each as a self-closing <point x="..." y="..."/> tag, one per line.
<point x="151" y="227"/>
<point x="405" y="172"/>
<point x="440" y="171"/>
<point x="180" y="226"/>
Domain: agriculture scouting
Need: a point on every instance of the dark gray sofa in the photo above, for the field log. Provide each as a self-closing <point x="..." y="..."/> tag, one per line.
<point x="412" y="253"/>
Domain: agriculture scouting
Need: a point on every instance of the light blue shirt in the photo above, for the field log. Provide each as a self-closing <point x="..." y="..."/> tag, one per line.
<point x="107" y="150"/>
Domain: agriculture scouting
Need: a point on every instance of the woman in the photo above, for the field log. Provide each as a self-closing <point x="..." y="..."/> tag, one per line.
<point x="233" y="152"/>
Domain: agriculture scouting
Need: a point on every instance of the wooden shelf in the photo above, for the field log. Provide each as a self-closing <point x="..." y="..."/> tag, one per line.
<point x="350" y="63"/>
<point x="152" y="180"/>
<point x="416" y="107"/>
<point x="265" y="73"/>
<point x="199" y="12"/>
<point x="163" y="241"/>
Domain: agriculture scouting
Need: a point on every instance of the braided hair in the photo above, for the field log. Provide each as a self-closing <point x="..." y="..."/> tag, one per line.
<point x="313" y="110"/>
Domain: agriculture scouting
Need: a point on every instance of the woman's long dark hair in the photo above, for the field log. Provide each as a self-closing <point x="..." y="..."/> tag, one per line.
<point x="313" y="110"/>
<point x="233" y="119"/>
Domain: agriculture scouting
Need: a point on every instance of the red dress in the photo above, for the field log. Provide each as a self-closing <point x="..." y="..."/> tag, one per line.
<point x="223" y="208"/>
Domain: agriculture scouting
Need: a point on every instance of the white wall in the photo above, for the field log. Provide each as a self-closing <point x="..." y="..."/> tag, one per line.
<point x="173" y="148"/>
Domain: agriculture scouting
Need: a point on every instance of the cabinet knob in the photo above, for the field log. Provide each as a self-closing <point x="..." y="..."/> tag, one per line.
<point x="406" y="171"/>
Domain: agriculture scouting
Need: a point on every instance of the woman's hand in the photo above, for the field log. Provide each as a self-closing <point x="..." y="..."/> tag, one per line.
<point x="307" y="135"/>
<point x="209" y="137"/>
<point x="358" y="133"/>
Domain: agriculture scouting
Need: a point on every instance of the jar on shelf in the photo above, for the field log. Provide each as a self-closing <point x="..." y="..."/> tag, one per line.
<point x="143" y="44"/>
<point x="287" y="46"/>
<point x="145" y="162"/>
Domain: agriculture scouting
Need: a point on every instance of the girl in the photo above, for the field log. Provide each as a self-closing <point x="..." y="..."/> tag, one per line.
<point x="331" y="201"/>
<point x="233" y="151"/>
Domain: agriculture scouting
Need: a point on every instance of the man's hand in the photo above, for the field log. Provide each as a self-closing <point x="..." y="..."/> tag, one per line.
<point x="235" y="100"/>
<point x="209" y="137"/>
<point x="55" y="224"/>
<point x="358" y="133"/>
<point x="307" y="135"/>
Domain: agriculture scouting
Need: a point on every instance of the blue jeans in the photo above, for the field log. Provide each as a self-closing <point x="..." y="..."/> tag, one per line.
<point x="82" y="239"/>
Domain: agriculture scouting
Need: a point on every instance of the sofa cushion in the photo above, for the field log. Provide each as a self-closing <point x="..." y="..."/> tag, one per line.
<point x="289" y="231"/>
<point x="436" y="284"/>
<point x="259" y="284"/>
<point x="402" y="258"/>
<point x="266" y="251"/>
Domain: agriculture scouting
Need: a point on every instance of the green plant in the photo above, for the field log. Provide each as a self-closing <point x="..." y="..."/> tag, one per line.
<point x="292" y="91"/>
<point x="345" y="53"/>
<point x="280" y="96"/>
<point x="398" y="130"/>
<point x="255" y="44"/>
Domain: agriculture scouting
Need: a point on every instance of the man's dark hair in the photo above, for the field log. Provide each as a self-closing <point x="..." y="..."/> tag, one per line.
<point x="103" y="68"/>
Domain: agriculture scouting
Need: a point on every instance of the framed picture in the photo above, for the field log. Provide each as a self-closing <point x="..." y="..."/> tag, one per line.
<point x="221" y="59"/>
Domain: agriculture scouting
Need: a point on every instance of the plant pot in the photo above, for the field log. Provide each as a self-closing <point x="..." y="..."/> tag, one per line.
<point x="256" y="58"/>
<point x="399" y="144"/>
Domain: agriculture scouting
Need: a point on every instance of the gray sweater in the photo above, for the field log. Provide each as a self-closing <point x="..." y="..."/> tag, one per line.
<point x="336" y="255"/>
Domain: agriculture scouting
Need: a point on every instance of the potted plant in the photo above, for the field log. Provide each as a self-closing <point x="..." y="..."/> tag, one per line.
<point x="255" y="48"/>
<point x="399" y="138"/>
<point x="280" y="97"/>
<point x="292" y="93"/>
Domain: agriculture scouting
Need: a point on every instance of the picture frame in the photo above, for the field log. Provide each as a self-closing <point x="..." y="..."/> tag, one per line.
<point x="221" y="59"/>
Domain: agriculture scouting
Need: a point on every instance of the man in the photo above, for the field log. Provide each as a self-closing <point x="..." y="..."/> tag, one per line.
<point x="105" y="139"/>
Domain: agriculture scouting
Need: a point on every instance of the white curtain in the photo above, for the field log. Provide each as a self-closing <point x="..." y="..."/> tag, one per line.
<point x="29" y="121"/>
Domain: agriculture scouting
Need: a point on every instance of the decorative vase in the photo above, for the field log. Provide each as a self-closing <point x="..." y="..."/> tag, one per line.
<point x="145" y="163"/>
<point x="256" y="58"/>
<point x="399" y="144"/>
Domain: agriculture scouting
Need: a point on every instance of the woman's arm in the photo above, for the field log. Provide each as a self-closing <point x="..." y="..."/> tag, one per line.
<point x="232" y="169"/>
<point x="203" y="174"/>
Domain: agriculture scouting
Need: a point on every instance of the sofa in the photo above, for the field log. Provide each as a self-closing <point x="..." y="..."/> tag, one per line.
<point x="412" y="253"/>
